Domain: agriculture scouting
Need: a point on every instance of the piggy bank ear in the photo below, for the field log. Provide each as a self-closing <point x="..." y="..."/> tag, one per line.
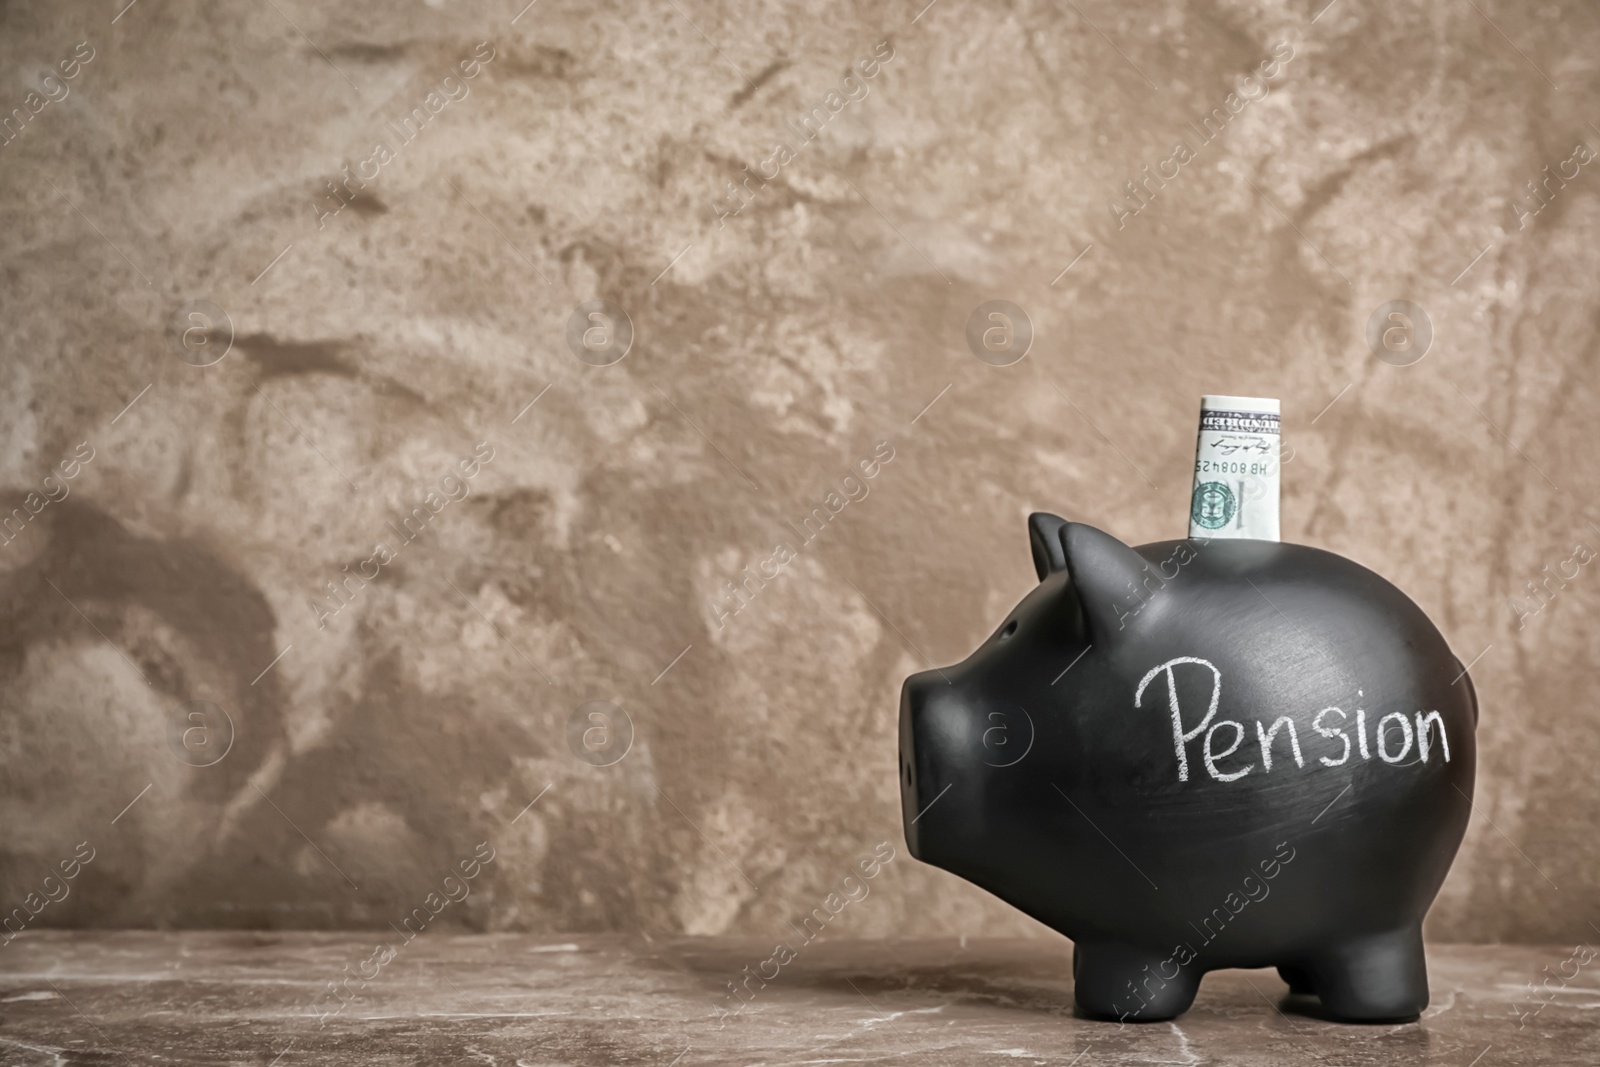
<point x="1105" y="572"/>
<point x="1044" y="534"/>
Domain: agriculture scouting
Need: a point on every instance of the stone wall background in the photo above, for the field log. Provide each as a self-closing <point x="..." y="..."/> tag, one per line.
<point x="372" y="349"/>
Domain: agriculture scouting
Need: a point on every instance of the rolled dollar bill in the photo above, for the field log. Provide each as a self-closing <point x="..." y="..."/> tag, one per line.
<point x="1236" y="469"/>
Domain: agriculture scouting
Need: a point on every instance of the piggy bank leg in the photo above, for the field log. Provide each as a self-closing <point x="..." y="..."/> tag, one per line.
<point x="1376" y="978"/>
<point x="1299" y="981"/>
<point x="1128" y="984"/>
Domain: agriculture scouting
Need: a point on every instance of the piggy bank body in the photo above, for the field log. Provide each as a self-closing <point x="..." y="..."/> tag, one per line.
<point x="1197" y="755"/>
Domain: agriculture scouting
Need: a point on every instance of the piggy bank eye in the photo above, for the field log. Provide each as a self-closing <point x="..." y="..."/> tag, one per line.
<point x="1010" y="628"/>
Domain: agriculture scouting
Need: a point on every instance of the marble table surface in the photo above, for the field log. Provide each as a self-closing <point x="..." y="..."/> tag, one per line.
<point x="509" y="999"/>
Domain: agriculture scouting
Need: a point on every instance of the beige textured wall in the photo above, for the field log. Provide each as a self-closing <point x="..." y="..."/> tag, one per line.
<point x="375" y="347"/>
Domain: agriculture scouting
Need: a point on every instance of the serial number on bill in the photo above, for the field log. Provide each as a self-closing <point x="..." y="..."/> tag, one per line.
<point x="1231" y="466"/>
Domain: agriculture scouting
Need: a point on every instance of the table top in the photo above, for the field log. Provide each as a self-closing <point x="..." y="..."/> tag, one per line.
<point x="512" y="999"/>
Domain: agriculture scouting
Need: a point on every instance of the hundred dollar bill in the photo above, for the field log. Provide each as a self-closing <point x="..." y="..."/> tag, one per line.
<point x="1236" y="469"/>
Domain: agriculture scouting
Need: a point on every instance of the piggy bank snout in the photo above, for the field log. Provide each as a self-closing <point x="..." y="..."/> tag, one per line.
<point x="928" y="705"/>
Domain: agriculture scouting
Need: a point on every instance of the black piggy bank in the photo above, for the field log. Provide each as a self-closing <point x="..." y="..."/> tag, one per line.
<point x="1194" y="755"/>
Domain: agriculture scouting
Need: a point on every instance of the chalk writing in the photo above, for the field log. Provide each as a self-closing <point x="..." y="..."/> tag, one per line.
<point x="1395" y="735"/>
